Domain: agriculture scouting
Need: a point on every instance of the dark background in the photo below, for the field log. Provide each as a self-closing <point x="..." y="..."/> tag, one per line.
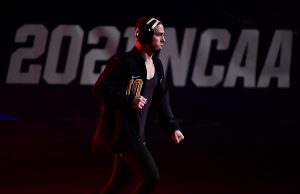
<point x="237" y="140"/>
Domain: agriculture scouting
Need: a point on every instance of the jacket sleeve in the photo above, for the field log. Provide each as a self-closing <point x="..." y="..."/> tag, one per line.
<point x="164" y="112"/>
<point x="110" y="83"/>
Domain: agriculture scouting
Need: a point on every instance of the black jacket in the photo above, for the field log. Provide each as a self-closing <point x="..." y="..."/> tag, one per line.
<point x="116" y="87"/>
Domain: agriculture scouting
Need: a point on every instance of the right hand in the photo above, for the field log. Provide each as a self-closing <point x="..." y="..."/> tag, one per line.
<point x="177" y="136"/>
<point x="139" y="102"/>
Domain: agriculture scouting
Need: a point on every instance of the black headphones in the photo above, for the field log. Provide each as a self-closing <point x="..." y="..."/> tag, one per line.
<point x="145" y="32"/>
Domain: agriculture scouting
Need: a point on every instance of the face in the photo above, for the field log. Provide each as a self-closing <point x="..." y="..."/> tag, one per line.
<point x="158" y="37"/>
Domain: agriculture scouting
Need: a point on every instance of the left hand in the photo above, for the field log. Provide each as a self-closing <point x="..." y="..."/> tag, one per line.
<point x="177" y="136"/>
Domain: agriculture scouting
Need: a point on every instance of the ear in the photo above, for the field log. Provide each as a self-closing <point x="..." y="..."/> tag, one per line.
<point x="137" y="32"/>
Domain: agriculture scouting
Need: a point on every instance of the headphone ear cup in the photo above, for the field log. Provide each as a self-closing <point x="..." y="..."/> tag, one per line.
<point x="140" y="37"/>
<point x="145" y="34"/>
<point x="146" y="31"/>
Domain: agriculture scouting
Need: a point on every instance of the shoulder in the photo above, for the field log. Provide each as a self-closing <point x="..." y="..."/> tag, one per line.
<point x="158" y="64"/>
<point x="123" y="60"/>
<point x="157" y="60"/>
<point x="117" y="60"/>
<point x="131" y="56"/>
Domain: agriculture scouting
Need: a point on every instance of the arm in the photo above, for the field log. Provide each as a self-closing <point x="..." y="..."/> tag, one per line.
<point x="167" y="119"/>
<point x="109" y="85"/>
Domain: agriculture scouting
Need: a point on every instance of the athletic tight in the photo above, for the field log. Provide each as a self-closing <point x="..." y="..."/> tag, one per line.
<point x="134" y="159"/>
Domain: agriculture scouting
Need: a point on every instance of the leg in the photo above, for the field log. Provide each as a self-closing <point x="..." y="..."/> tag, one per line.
<point x="141" y="161"/>
<point x="119" y="177"/>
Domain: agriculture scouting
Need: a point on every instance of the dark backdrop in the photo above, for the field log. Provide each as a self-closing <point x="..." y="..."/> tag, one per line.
<point x="238" y="139"/>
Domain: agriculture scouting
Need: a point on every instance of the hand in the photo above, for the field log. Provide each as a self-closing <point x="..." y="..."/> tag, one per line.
<point x="139" y="102"/>
<point x="177" y="136"/>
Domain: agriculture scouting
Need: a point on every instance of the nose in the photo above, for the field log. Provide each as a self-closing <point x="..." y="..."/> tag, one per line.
<point x="163" y="39"/>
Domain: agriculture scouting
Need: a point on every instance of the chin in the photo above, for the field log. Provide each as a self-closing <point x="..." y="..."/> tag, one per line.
<point x="156" y="48"/>
<point x="157" y="51"/>
<point x="159" y="48"/>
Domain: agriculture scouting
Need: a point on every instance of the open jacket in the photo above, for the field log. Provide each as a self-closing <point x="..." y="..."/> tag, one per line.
<point x="116" y="87"/>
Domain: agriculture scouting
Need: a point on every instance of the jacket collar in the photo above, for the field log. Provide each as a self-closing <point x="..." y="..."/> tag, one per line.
<point x="137" y="52"/>
<point x="156" y="61"/>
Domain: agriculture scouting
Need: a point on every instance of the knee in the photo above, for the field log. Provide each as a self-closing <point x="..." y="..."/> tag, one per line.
<point x="147" y="184"/>
<point x="156" y="178"/>
<point x="153" y="179"/>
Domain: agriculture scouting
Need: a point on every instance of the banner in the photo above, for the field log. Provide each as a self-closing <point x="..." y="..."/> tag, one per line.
<point x="223" y="64"/>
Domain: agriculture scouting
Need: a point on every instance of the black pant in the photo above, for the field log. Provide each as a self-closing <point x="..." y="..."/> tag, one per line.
<point x="135" y="158"/>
